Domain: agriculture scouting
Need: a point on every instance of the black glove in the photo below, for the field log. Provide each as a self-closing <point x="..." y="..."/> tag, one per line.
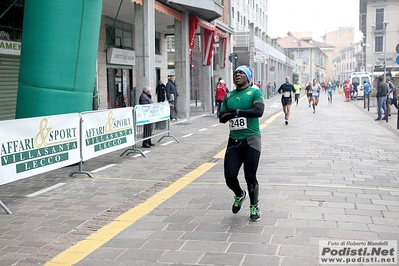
<point x="226" y="116"/>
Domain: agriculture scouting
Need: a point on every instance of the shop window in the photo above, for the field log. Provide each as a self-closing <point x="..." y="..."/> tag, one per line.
<point x="379" y="19"/>
<point x="170" y="43"/>
<point x="118" y="33"/>
<point x="11" y="22"/>
<point x="378" y="44"/>
<point x="157" y="43"/>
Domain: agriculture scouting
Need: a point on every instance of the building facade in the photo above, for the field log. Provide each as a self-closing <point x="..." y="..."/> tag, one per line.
<point x="10" y="51"/>
<point x="379" y="23"/>
<point x="133" y="50"/>
<point x="340" y="39"/>
<point x="253" y="46"/>
<point x="310" y="60"/>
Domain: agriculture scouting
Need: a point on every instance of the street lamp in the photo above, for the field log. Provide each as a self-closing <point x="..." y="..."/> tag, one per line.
<point x="372" y="50"/>
<point x="362" y="68"/>
<point x="385" y="23"/>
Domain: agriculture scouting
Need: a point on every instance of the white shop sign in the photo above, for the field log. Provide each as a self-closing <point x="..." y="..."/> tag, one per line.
<point x="121" y="56"/>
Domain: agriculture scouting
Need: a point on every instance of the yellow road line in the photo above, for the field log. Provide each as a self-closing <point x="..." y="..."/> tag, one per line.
<point x="83" y="248"/>
<point x="86" y="246"/>
<point x="220" y="155"/>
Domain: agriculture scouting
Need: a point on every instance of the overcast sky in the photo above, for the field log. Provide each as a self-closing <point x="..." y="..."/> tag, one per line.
<point x="319" y="16"/>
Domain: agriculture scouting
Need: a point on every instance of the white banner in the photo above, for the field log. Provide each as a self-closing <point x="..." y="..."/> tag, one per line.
<point x="106" y="131"/>
<point x="36" y="145"/>
<point x="151" y="113"/>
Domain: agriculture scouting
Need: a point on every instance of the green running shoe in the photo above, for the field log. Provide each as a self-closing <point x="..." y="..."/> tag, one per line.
<point x="237" y="206"/>
<point x="254" y="213"/>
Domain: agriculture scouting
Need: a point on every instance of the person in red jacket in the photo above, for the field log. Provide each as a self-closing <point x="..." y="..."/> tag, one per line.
<point x="347" y="90"/>
<point x="220" y="93"/>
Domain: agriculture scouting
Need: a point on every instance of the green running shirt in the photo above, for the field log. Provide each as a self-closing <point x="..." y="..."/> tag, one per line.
<point x="243" y="100"/>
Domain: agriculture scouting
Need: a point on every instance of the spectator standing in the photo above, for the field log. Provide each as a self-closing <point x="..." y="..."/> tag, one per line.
<point x="347" y="90"/>
<point x="366" y="89"/>
<point x="220" y="93"/>
<point x="382" y="92"/>
<point x="171" y="95"/>
<point x="145" y="98"/>
<point x="392" y="98"/>
<point x="160" y="91"/>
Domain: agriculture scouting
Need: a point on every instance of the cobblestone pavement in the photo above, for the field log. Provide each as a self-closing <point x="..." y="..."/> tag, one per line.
<point x="329" y="175"/>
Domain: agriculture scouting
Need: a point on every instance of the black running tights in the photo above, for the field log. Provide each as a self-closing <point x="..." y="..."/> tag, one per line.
<point x="239" y="152"/>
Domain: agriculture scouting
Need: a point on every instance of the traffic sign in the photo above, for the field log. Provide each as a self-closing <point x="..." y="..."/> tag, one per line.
<point x="397" y="58"/>
<point x="233" y="57"/>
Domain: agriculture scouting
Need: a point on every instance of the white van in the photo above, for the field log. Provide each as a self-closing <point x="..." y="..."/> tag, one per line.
<point x="360" y="77"/>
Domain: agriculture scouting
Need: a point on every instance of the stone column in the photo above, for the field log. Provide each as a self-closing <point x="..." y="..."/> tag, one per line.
<point x="227" y="71"/>
<point x="251" y="46"/>
<point x="144" y="46"/>
<point x="182" y="65"/>
<point x="164" y="53"/>
<point x="206" y="74"/>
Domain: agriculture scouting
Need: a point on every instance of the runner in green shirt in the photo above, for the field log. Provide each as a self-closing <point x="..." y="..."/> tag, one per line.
<point x="242" y="108"/>
<point x="297" y="88"/>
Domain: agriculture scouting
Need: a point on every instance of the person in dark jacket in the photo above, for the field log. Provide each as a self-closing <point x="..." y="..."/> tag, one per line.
<point x="171" y="95"/>
<point x="382" y="92"/>
<point x="145" y="98"/>
<point x="160" y="90"/>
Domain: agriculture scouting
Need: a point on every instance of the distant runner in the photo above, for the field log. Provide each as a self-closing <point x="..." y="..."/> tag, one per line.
<point x="287" y="91"/>
<point x="330" y="88"/>
<point x="297" y="88"/>
<point x="308" y="91"/>
<point x="315" y="94"/>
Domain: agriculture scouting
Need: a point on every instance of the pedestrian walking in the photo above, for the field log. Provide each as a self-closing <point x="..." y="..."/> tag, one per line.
<point x="354" y="91"/>
<point x="287" y="91"/>
<point x="242" y="108"/>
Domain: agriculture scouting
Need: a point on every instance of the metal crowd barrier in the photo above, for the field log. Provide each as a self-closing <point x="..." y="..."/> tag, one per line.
<point x="157" y="116"/>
